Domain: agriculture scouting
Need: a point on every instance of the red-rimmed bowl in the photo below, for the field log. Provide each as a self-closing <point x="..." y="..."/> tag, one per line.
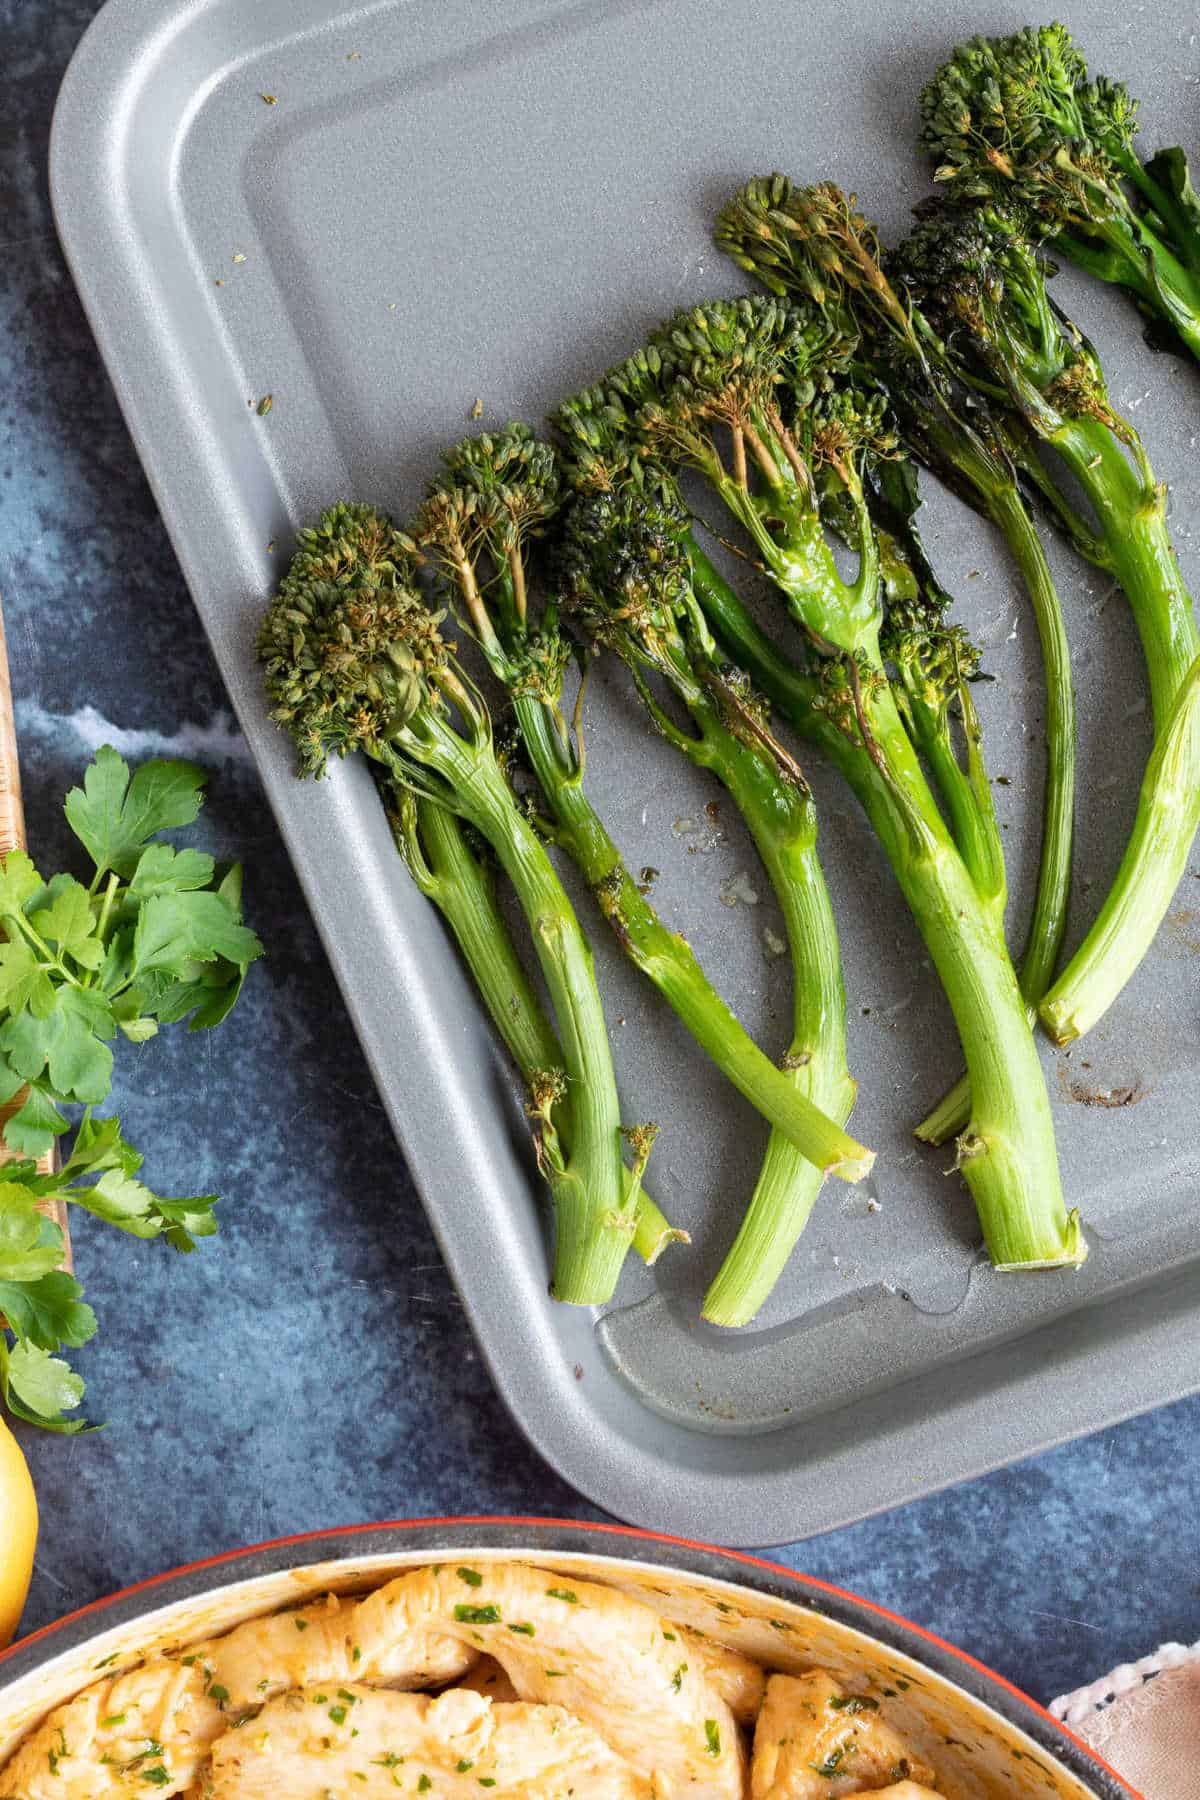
<point x="987" y="1740"/>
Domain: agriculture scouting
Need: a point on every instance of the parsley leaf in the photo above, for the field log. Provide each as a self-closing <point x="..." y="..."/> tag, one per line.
<point x="162" y="870"/>
<point x="98" y="1145"/>
<point x="66" y="1043"/>
<point x="34" y="1127"/>
<point x="41" y="1306"/>
<point x="23" y="980"/>
<point x="68" y="922"/>
<point x="174" y="930"/>
<point x="19" y="882"/>
<point x="186" y="1220"/>
<point x="113" y="817"/>
<point x="38" y="1387"/>
<point x="30" y="1245"/>
<point x="204" y="993"/>
<point x="81" y="964"/>
<point x="49" y="1311"/>
<point x="131" y="1206"/>
<point x="154" y="939"/>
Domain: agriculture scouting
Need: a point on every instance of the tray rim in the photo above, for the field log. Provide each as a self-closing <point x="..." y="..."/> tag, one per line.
<point x="100" y="81"/>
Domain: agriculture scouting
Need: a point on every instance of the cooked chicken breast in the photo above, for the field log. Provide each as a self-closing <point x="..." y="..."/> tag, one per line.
<point x="143" y="1732"/>
<point x="607" y="1658"/>
<point x="326" y="1740"/>
<point x="740" y="1682"/>
<point x="816" y="1741"/>
<point x="902" y="1790"/>
<point x="566" y="1690"/>
<point x="117" y="1737"/>
<point x="488" y="1678"/>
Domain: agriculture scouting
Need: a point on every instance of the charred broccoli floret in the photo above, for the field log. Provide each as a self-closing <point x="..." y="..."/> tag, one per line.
<point x="978" y="276"/>
<point x="355" y="660"/>
<point x="1018" y="120"/>
<point x="813" y="242"/>
<point x="478" y="527"/>
<point x="764" y="402"/>
<point x="626" y="579"/>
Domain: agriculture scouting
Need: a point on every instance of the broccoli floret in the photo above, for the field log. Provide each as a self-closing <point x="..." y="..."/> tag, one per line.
<point x="814" y="244"/>
<point x="355" y="659"/>
<point x="626" y="576"/>
<point x="479" y="528"/>
<point x="752" y="394"/>
<point x="352" y="654"/>
<point x="1017" y="120"/>
<point x="985" y="285"/>
<point x="768" y="403"/>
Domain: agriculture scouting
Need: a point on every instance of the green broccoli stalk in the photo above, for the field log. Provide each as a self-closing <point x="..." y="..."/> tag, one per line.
<point x="812" y="244"/>
<point x="625" y="576"/>
<point x="1153" y="864"/>
<point x="935" y="664"/>
<point x="1017" y="120"/>
<point x="945" y="653"/>
<point x="754" y="397"/>
<point x="354" y="660"/>
<point x="978" y="278"/>
<point x="457" y="877"/>
<point x="476" y="526"/>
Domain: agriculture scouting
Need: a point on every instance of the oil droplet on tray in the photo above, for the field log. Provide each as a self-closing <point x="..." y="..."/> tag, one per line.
<point x="738" y="888"/>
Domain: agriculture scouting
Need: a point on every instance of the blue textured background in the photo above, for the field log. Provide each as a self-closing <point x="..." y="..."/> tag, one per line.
<point x="311" y="1366"/>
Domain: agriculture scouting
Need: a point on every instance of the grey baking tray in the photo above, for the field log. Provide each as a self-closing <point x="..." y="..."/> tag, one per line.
<point x="493" y="199"/>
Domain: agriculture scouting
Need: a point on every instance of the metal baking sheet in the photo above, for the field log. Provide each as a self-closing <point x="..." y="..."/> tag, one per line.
<point x="493" y="199"/>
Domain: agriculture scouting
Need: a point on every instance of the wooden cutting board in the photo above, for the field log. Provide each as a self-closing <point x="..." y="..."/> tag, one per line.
<point x="12" y="837"/>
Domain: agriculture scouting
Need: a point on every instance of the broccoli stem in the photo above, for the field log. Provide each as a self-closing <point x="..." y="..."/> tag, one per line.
<point x="781" y="818"/>
<point x="593" y="1232"/>
<point x="1007" y="1154"/>
<point x="460" y="885"/>
<point x="1136" y="545"/>
<point x="669" y="962"/>
<point x="1008" y="511"/>
<point x="1139" y="260"/>
<point x="783" y="823"/>
<point x="1175" y="220"/>
<point x="949" y="1117"/>
<point x="966" y="793"/>
<point x="1136" y="549"/>
<point x="973" y="828"/>
<point x="991" y="489"/>
<point x="1156" y="856"/>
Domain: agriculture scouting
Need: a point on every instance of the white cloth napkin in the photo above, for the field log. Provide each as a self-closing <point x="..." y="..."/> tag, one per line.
<point x="1144" y="1720"/>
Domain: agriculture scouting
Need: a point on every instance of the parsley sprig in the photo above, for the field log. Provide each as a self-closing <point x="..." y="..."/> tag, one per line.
<point x="154" y="938"/>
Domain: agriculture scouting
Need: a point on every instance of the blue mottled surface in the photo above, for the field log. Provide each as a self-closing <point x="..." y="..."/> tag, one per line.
<point x="311" y="1366"/>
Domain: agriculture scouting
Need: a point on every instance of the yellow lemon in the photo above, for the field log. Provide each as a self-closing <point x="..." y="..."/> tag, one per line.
<point x="18" y="1532"/>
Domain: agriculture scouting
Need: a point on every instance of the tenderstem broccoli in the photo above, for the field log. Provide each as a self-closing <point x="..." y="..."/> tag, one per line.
<point x="1017" y="120"/>
<point x="759" y="400"/>
<point x="977" y="276"/>
<point x="477" y="527"/>
<point x="812" y="244"/>
<point x="457" y="876"/>
<point x="355" y="660"/>
<point x="626" y="578"/>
